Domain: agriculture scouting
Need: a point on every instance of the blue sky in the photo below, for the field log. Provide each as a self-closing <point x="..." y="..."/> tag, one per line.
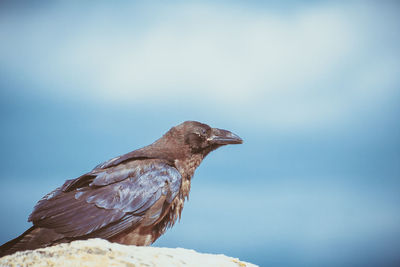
<point x="312" y="87"/>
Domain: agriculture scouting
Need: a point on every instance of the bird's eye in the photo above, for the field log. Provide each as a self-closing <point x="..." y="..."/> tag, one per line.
<point x="203" y="132"/>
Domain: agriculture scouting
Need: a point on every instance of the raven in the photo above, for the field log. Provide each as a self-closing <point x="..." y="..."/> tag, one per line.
<point x="131" y="199"/>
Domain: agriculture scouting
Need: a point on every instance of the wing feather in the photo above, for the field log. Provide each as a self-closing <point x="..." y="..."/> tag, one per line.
<point x="108" y="201"/>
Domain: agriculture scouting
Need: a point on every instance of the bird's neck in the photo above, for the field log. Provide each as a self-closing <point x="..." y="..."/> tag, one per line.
<point x="186" y="167"/>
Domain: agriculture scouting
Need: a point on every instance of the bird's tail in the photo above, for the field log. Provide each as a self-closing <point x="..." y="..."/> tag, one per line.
<point x="33" y="238"/>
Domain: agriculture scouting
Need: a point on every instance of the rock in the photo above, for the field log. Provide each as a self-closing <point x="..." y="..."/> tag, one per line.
<point x="99" y="252"/>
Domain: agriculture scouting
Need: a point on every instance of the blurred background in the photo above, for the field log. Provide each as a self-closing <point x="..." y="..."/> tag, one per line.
<point x="311" y="86"/>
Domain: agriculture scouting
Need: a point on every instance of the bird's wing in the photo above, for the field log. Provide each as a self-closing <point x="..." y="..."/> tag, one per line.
<point x="108" y="201"/>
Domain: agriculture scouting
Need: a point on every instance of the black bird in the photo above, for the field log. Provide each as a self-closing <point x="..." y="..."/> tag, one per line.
<point x="131" y="199"/>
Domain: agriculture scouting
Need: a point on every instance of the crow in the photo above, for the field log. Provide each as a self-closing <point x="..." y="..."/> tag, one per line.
<point x="131" y="199"/>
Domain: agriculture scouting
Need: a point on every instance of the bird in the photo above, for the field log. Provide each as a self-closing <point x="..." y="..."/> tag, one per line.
<point x="131" y="199"/>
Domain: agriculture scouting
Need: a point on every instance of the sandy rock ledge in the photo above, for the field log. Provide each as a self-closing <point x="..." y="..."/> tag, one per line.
<point x="99" y="252"/>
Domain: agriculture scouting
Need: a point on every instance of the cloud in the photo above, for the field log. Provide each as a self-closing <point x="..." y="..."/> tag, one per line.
<point x="294" y="70"/>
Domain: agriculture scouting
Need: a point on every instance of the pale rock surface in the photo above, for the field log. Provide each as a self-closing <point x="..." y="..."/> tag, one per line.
<point x="99" y="252"/>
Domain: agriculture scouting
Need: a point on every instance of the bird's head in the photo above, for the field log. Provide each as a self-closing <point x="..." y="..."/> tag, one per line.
<point x="201" y="138"/>
<point x="185" y="141"/>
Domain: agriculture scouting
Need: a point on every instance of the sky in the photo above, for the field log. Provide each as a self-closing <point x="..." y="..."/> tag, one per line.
<point x="312" y="87"/>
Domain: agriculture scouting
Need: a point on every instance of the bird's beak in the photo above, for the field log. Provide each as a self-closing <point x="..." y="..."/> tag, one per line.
<point x="224" y="137"/>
